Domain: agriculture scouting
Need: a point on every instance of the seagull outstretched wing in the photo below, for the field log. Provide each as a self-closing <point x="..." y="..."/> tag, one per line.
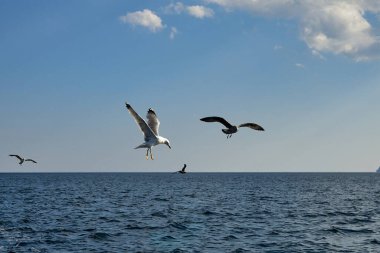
<point x="30" y="160"/>
<point x="217" y="119"/>
<point x="17" y="156"/>
<point x="148" y="133"/>
<point x="153" y="121"/>
<point x="253" y="126"/>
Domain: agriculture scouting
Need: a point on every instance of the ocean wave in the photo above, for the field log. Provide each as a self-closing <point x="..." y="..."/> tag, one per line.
<point x="341" y="213"/>
<point x="139" y="227"/>
<point x="375" y="241"/>
<point x="240" y="250"/>
<point x="230" y="237"/>
<point x="100" y="236"/>
<point x="178" y="225"/>
<point x="207" y="213"/>
<point x="160" y="199"/>
<point x="335" y="229"/>
<point x="159" y="214"/>
<point x="167" y="238"/>
<point x="178" y="250"/>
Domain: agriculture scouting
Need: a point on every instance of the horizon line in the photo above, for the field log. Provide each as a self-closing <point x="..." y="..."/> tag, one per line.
<point x="171" y="172"/>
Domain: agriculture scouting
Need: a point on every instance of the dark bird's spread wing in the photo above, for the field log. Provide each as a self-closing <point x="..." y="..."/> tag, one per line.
<point x="17" y="156"/>
<point x="253" y="126"/>
<point x="183" y="169"/>
<point x="217" y="119"/>
<point x="148" y="133"/>
<point x="153" y="121"/>
<point x="30" y="160"/>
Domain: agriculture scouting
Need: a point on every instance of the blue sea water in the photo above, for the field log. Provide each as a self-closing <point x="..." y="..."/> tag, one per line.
<point x="194" y="212"/>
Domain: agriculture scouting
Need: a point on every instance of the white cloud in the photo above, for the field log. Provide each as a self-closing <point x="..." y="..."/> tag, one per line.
<point x="145" y="18"/>
<point x="317" y="54"/>
<point x="175" y="8"/>
<point x="277" y="47"/>
<point x="339" y="28"/>
<point x="327" y="26"/>
<point x="200" y="11"/>
<point x="300" y="65"/>
<point x="197" y="11"/>
<point x="173" y="32"/>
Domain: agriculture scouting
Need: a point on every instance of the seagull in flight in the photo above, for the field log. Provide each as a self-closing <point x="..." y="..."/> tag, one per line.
<point x="150" y="130"/>
<point x="230" y="128"/>
<point x="22" y="160"/>
<point x="182" y="171"/>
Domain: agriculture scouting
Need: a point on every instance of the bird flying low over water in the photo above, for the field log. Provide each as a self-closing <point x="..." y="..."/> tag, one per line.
<point x="22" y="160"/>
<point x="150" y="130"/>
<point x="182" y="171"/>
<point x="230" y="128"/>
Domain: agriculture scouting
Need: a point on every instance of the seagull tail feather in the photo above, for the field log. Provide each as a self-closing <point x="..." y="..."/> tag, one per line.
<point x="142" y="146"/>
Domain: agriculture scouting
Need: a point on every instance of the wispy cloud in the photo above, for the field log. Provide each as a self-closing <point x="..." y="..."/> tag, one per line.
<point x="145" y="18"/>
<point x="175" y="8"/>
<point x="200" y="11"/>
<point x="327" y="26"/>
<point x="173" y="32"/>
<point x="197" y="11"/>
<point x="277" y="47"/>
<point x="300" y="65"/>
<point x="317" y="54"/>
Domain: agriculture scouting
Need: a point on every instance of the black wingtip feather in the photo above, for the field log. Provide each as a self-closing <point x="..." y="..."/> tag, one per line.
<point x="150" y="110"/>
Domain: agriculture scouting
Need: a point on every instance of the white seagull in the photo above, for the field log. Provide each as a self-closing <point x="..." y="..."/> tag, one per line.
<point x="150" y="130"/>
<point x="22" y="160"/>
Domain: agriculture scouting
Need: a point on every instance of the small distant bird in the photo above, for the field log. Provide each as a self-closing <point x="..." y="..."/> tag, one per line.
<point x="183" y="170"/>
<point x="150" y="130"/>
<point x="230" y="128"/>
<point x="22" y="160"/>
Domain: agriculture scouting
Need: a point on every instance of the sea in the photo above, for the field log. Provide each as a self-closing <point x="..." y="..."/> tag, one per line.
<point x="193" y="212"/>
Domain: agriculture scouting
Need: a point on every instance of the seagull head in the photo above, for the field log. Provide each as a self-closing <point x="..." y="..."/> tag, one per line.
<point x="167" y="143"/>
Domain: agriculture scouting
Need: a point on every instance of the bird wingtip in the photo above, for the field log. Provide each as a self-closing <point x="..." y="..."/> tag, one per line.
<point x="150" y="110"/>
<point x="127" y="105"/>
<point x="211" y="119"/>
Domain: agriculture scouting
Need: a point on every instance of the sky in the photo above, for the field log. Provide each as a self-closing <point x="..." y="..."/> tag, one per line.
<point x="307" y="71"/>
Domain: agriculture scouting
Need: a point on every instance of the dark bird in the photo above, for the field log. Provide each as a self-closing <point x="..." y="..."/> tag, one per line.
<point x="182" y="171"/>
<point x="230" y="128"/>
<point x="22" y="160"/>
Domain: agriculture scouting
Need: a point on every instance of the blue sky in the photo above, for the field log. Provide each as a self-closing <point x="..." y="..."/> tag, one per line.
<point x="307" y="72"/>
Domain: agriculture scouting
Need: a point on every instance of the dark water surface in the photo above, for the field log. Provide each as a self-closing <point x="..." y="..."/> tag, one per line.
<point x="195" y="212"/>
